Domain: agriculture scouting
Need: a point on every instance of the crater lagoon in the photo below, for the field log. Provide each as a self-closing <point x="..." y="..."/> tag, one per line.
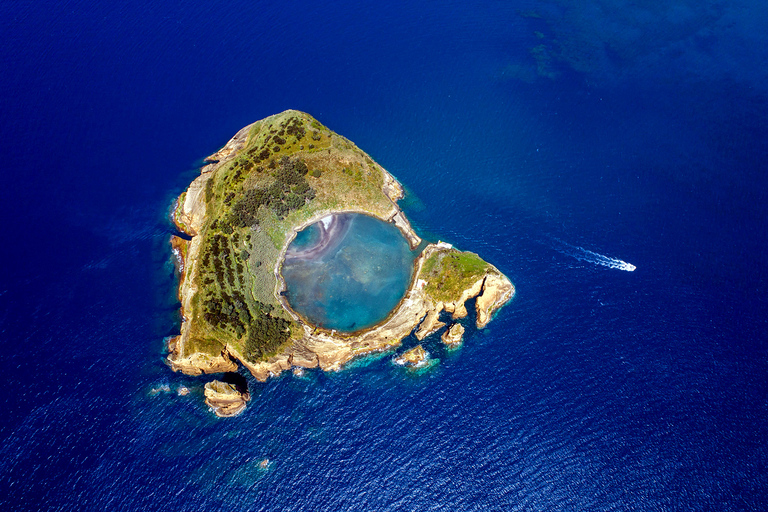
<point x="347" y="271"/>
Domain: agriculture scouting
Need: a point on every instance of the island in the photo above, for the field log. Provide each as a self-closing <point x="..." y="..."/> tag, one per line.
<point x="415" y="357"/>
<point x="227" y="399"/>
<point x="284" y="192"/>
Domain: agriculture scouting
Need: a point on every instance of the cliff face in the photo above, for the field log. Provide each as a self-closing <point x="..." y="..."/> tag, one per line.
<point x="189" y="217"/>
<point x="497" y="290"/>
<point x="342" y="178"/>
<point x="226" y="399"/>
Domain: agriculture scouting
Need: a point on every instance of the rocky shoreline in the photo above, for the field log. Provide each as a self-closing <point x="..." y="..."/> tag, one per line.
<point x="417" y="312"/>
<point x="329" y="350"/>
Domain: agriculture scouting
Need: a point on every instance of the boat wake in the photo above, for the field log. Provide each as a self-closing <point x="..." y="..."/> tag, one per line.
<point x="583" y="254"/>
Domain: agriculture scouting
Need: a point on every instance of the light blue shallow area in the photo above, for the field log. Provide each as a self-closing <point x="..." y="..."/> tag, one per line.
<point x="355" y="279"/>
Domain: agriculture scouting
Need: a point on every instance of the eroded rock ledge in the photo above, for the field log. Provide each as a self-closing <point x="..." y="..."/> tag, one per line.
<point x="345" y="179"/>
<point x="227" y="399"/>
<point x="453" y="335"/>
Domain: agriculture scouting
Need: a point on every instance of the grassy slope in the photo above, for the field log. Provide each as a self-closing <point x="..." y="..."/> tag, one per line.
<point x="349" y="180"/>
<point x="449" y="273"/>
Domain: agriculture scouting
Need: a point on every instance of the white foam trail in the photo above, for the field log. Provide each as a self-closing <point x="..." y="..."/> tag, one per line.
<point x="583" y="254"/>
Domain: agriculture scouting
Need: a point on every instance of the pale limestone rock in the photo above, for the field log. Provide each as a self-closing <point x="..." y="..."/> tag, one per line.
<point x="497" y="290"/>
<point x="391" y="187"/>
<point x="453" y="336"/>
<point x="304" y="358"/>
<point x="430" y="324"/>
<point x="459" y="310"/>
<point x="192" y="213"/>
<point x="404" y="226"/>
<point x="199" y="363"/>
<point x="225" y="399"/>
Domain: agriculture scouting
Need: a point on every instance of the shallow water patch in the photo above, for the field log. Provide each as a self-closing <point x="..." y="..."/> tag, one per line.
<point x="347" y="271"/>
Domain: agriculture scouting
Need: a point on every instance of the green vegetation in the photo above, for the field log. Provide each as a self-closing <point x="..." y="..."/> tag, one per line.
<point x="448" y="274"/>
<point x="291" y="170"/>
<point x="265" y="335"/>
<point x="289" y="191"/>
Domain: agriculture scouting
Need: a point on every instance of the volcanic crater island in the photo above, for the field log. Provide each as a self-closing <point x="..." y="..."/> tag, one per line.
<point x="294" y="254"/>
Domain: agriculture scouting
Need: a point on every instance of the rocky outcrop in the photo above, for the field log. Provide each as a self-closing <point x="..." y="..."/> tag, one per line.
<point x="457" y="307"/>
<point x="497" y="290"/>
<point x="392" y="188"/>
<point x="265" y="369"/>
<point x="198" y="363"/>
<point x="330" y="350"/>
<point x="430" y="324"/>
<point x="453" y="336"/>
<point x="227" y="399"/>
<point x="303" y="358"/>
<point x="415" y="357"/>
<point x="191" y="214"/>
<point x="229" y="150"/>
<point x="179" y="246"/>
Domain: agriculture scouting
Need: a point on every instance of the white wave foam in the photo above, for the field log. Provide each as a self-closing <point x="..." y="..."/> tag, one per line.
<point x="583" y="254"/>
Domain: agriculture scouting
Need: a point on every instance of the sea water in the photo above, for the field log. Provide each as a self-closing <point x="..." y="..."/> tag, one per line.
<point x="637" y="131"/>
<point x="347" y="271"/>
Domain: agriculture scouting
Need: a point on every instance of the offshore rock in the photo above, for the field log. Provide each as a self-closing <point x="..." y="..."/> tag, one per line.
<point x="414" y="357"/>
<point x="453" y="336"/>
<point x="227" y="399"/>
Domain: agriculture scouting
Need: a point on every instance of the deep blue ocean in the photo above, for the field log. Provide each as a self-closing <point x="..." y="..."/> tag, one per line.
<point x="539" y="134"/>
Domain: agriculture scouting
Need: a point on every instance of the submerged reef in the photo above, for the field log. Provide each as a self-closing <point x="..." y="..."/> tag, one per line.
<point x="274" y="178"/>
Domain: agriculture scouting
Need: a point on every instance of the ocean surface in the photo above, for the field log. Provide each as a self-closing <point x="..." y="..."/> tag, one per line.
<point x="347" y="271"/>
<point x="559" y="140"/>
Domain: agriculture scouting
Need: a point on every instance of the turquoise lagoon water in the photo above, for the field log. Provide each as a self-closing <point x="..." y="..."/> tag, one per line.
<point x="347" y="271"/>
